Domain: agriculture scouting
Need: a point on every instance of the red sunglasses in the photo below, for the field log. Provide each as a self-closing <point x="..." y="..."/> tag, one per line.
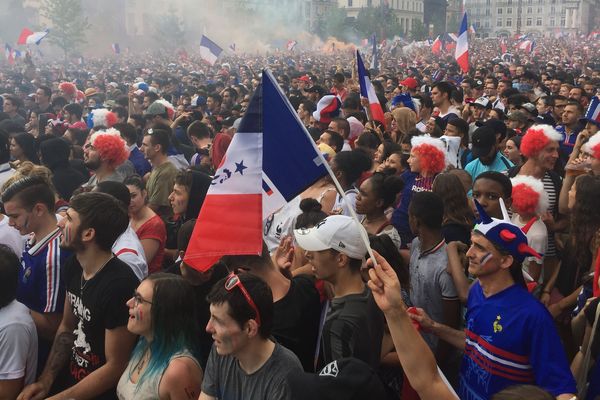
<point x="234" y="281"/>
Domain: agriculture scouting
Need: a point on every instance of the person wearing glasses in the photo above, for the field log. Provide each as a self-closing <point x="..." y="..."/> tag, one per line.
<point x="92" y="344"/>
<point x="244" y="362"/>
<point x="164" y="363"/>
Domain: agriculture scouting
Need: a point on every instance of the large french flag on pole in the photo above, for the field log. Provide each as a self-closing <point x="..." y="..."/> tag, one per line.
<point x="270" y="160"/>
<point x="209" y="50"/>
<point x="29" y="37"/>
<point x="461" y="53"/>
<point x="367" y="90"/>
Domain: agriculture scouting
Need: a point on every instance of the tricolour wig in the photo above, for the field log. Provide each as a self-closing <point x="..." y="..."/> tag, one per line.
<point x="536" y="138"/>
<point x="593" y="146"/>
<point x="431" y="152"/>
<point x="68" y="88"/>
<point x="112" y="148"/>
<point x="528" y="195"/>
<point x="103" y="117"/>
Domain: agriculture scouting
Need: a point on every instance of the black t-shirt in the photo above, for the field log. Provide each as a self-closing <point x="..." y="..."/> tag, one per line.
<point x="97" y="304"/>
<point x="296" y="320"/>
<point x="353" y="328"/>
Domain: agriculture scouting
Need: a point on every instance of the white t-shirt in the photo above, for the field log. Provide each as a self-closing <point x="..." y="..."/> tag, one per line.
<point x="129" y="249"/>
<point x="18" y="343"/>
<point x="5" y="173"/>
<point x="537" y="239"/>
<point x="11" y="237"/>
<point x="280" y="223"/>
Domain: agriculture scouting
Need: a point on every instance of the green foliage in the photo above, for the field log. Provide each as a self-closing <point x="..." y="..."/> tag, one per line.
<point x="380" y="20"/>
<point x="418" y="31"/>
<point x="333" y="23"/>
<point x="68" y="25"/>
<point x="170" y="29"/>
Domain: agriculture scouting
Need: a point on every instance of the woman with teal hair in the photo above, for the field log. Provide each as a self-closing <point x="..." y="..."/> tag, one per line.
<point x="164" y="363"/>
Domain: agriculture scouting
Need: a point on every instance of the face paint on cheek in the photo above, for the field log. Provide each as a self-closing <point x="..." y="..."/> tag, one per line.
<point x="485" y="259"/>
<point x="67" y="234"/>
<point x="139" y="314"/>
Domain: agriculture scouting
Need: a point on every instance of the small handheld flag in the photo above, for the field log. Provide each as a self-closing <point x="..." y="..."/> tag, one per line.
<point x="29" y="37"/>
<point x="291" y="44"/>
<point x="116" y="49"/>
<point x="368" y="91"/>
<point x="461" y="53"/>
<point x="209" y="50"/>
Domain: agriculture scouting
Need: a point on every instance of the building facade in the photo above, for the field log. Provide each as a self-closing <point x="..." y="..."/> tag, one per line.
<point x="407" y="12"/>
<point x="493" y="18"/>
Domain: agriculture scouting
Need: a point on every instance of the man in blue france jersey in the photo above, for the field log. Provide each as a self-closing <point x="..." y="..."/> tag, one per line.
<point x="29" y="204"/>
<point x="509" y="336"/>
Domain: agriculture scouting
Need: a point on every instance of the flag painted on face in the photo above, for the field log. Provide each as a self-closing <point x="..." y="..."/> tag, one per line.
<point x="29" y="37"/>
<point x="368" y="91"/>
<point x="270" y="161"/>
<point x="461" y="53"/>
<point x="209" y="50"/>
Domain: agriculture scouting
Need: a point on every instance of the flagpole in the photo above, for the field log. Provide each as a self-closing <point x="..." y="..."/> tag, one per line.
<point x="338" y="186"/>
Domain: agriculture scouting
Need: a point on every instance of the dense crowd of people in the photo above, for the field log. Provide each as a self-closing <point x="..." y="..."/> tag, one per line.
<point x="477" y="191"/>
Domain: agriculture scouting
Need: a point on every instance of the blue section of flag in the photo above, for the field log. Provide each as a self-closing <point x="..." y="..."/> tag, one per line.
<point x="362" y="72"/>
<point x="290" y="158"/>
<point x="211" y="46"/>
<point x="267" y="188"/>
<point x="463" y="25"/>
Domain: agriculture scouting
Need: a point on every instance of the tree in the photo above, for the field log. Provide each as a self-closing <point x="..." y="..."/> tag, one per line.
<point x="418" y="31"/>
<point x="380" y="20"/>
<point x="333" y="23"/>
<point x="67" y="22"/>
<point x="170" y="29"/>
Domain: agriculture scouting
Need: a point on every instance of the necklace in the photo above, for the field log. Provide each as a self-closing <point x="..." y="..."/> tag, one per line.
<point x="83" y="284"/>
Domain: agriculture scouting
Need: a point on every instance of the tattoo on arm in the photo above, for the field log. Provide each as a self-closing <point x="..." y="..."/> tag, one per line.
<point x="60" y="353"/>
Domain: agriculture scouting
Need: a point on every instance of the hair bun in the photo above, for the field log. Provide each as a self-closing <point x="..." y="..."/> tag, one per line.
<point x="310" y="205"/>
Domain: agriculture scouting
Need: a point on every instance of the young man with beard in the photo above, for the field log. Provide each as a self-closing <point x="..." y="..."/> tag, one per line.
<point x="29" y="205"/>
<point x="103" y="153"/>
<point x="92" y="344"/>
<point x="244" y="362"/>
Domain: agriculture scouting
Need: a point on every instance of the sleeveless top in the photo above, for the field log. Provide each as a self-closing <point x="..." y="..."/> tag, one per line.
<point x="126" y="390"/>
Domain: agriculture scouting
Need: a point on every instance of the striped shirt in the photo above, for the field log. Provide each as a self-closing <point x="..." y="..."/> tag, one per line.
<point x="40" y="286"/>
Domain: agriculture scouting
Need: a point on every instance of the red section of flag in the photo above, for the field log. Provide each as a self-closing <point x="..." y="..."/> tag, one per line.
<point x="25" y="33"/>
<point x="227" y="224"/>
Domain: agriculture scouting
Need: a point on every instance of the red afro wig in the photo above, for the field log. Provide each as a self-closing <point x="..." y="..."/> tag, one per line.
<point x="536" y="138"/>
<point x="111" y="147"/>
<point x="528" y="195"/>
<point x="431" y="153"/>
<point x="68" y="88"/>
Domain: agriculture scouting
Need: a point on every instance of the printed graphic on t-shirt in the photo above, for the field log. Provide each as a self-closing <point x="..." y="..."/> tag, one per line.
<point x="83" y="360"/>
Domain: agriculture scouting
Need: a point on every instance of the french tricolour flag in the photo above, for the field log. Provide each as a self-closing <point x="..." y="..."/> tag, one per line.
<point x="436" y="46"/>
<point x="367" y="90"/>
<point x="461" y="53"/>
<point x="270" y="160"/>
<point x="29" y="37"/>
<point x="116" y="48"/>
<point x="291" y="44"/>
<point x="209" y="50"/>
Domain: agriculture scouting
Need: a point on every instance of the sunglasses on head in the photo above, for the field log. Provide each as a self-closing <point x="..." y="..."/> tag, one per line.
<point x="234" y="281"/>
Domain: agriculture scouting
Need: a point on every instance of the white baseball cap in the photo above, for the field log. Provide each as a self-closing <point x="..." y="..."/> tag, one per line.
<point x="337" y="232"/>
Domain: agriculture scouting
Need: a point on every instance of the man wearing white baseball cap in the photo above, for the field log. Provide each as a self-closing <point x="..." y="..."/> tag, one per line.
<point x="353" y="326"/>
